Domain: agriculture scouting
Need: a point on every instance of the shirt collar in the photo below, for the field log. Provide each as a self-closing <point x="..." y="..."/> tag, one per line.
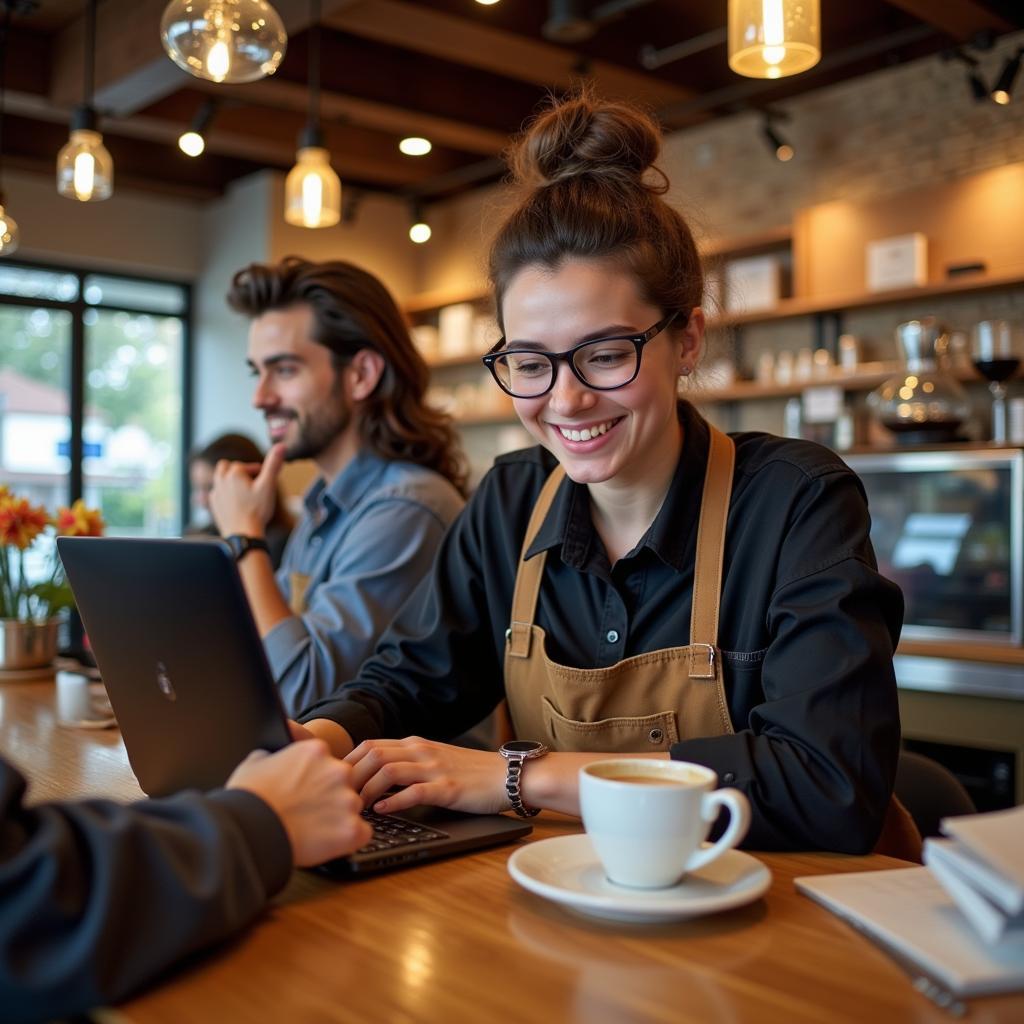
<point x="672" y="534"/>
<point x="348" y="487"/>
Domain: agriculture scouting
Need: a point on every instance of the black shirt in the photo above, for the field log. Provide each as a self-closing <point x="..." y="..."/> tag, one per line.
<point x="807" y="628"/>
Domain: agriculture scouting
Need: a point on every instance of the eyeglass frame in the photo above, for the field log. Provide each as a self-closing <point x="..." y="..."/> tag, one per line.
<point x="554" y="358"/>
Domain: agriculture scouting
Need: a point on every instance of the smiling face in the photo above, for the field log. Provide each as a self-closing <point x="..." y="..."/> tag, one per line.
<point x="629" y="437"/>
<point x="298" y="389"/>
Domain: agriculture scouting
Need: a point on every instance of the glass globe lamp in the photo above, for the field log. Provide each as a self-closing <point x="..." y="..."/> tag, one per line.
<point x="85" y="170"/>
<point x="773" y="38"/>
<point x="224" y="40"/>
<point x="9" y="235"/>
<point x="312" y="191"/>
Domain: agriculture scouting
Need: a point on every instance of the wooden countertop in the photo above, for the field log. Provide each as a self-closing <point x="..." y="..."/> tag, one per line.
<point x="458" y="941"/>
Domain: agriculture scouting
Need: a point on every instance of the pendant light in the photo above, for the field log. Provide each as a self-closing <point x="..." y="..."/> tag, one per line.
<point x="419" y="229"/>
<point x="312" y="191"/>
<point x="8" y="225"/>
<point x="85" y="170"/>
<point x="224" y="40"/>
<point x="773" y="38"/>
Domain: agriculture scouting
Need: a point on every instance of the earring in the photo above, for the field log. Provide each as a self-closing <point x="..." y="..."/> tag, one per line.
<point x="687" y="370"/>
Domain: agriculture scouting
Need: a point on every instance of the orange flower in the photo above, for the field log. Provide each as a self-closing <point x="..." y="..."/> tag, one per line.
<point x="79" y="521"/>
<point x="20" y="521"/>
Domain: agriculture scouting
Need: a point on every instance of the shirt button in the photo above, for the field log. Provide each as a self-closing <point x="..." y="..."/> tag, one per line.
<point x="729" y="777"/>
<point x="612" y="636"/>
<point x="656" y="735"/>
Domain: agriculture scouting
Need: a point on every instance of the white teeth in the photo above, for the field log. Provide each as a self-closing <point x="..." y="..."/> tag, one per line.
<point x="586" y="433"/>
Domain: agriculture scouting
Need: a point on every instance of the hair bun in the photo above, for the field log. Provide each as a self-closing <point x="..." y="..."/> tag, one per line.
<point x="583" y="136"/>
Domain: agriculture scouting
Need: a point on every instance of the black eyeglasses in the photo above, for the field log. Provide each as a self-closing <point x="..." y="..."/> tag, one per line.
<point x="603" y="364"/>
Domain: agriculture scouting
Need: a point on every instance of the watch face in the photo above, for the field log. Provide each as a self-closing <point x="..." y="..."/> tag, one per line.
<point x="522" y="746"/>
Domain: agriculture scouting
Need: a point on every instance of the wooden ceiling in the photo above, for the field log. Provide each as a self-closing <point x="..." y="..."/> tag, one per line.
<point x="464" y="75"/>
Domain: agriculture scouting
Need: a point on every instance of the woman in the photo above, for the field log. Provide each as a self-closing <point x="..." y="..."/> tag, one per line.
<point x="585" y="582"/>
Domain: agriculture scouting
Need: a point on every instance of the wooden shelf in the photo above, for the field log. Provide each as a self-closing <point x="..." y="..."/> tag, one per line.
<point x="789" y="308"/>
<point x="867" y="377"/>
<point x="1004" y="654"/>
<point x="445" y="364"/>
<point x="748" y="245"/>
<point x="486" y="419"/>
<point x="430" y="301"/>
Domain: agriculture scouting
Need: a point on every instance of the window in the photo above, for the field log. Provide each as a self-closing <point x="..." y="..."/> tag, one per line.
<point x="93" y="394"/>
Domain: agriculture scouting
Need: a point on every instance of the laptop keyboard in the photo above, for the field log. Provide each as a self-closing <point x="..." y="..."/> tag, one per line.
<point x="390" y="832"/>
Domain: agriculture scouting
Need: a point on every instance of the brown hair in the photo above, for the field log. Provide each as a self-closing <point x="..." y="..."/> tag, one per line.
<point x="352" y="310"/>
<point x="586" y="163"/>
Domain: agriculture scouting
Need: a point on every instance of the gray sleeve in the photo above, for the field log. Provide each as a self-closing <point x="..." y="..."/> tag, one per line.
<point x="383" y="557"/>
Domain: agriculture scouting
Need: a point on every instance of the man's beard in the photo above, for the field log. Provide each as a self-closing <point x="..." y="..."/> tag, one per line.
<point x="319" y="431"/>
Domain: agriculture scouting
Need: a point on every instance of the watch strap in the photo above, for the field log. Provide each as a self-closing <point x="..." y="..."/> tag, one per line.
<point x="513" y="785"/>
<point x="241" y="545"/>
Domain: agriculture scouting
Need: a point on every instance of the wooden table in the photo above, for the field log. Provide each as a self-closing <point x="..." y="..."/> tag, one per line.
<point x="459" y="941"/>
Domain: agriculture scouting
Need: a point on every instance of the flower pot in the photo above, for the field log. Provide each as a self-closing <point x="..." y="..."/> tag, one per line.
<point x="27" y="644"/>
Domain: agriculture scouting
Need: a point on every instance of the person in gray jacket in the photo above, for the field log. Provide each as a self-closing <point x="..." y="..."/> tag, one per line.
<point x="339" y="382"/>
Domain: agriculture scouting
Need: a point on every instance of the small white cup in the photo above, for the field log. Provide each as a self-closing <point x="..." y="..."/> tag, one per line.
<point x="78" y="705"/>
<point x="648" y="819"/>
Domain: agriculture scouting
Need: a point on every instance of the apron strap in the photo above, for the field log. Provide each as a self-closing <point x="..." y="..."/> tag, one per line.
<point x="528" y="577"/>
<point x="707" y="573"/>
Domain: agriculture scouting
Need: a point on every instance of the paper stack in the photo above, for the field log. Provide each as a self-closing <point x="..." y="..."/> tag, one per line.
<point x="981" y="866"/>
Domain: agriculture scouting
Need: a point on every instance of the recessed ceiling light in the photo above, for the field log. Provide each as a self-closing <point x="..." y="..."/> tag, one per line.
<point x="415" y="146"/>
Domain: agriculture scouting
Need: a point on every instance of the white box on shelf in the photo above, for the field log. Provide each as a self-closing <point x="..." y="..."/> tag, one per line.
<point x="898" y="262"/>
<point x="426" y="339"/>
<point x="752" y="284"/>
<point x="455" y="329"/>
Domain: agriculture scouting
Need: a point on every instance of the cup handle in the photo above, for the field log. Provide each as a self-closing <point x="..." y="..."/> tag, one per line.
<point x="739" y="822"/>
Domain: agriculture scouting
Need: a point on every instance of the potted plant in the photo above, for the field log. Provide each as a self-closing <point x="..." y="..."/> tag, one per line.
<point x="30" y="610"/>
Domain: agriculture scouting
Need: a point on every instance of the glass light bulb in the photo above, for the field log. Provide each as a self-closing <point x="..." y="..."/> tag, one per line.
<point x="420" y="232"/>
<point x="224" y="40"/>
<point x="773" y="38"/>
<point x="85" y="170"/>
<point x="218" y="61"/>
<point x="9" y="235"/>
<point x="312" y="191"/>
<point x="191" y="143"/>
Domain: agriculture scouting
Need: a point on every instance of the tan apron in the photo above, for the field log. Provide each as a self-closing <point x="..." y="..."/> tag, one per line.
<point x="682" y="688"/>
<point x="594" y="710"/>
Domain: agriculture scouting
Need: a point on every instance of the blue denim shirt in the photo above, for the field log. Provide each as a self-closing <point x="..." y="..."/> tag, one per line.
<point x="363" y="543"/>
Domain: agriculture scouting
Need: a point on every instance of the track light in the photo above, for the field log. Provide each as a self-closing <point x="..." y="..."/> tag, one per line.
<point x="1002" y="91"/>
<point x="419" y="231"/>
<point x="193" y="142"/>
<point x="782" y="150"/>
<point x="979" y="91"/>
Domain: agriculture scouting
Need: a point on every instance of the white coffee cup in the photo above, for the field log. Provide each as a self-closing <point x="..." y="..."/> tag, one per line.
<point x="78" y="703"/>
<point x="648" y="819"/>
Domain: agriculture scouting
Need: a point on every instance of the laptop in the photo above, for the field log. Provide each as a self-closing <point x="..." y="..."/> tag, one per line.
<point x="184" y="668"/>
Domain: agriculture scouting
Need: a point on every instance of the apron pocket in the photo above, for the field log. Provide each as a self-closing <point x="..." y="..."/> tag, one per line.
<point x="649" y="733"/>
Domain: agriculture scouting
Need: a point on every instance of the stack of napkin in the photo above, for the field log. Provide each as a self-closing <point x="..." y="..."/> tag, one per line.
<point x="981" y="866"/>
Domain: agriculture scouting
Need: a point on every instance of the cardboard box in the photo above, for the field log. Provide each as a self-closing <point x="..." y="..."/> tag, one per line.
<point x="898" y="262"/>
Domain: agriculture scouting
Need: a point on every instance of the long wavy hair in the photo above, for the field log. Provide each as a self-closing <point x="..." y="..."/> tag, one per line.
<point x="352" y="310"/>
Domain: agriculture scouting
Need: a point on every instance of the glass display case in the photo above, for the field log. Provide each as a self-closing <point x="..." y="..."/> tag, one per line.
<point x="948" y="528"/>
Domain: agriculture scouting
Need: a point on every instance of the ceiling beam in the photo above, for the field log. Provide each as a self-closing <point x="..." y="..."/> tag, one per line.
<point x="957" y="18"/>
<point x="414" y="26"/>
<point x="132" y="70"/>
<point x="275" y="92"/>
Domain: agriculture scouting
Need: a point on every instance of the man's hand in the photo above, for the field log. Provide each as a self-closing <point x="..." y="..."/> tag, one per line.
<point x="311" y="792"/>
<point x="243" y="494"/>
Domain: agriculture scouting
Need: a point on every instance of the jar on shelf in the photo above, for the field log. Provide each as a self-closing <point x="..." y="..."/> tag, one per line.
<point x="922" y="405"/>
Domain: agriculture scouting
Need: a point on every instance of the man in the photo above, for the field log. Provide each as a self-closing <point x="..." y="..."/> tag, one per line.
<point x="96" y="898"/>
<point x="339" y="382"/>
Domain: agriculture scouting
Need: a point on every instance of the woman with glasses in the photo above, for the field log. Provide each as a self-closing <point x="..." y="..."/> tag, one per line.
<point x="638" y="583"/>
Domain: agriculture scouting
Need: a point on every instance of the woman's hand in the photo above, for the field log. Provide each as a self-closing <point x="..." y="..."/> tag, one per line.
<point x="430" y="773"/>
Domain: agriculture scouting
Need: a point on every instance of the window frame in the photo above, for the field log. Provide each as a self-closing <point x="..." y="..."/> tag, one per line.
<point x="76" y="374"/>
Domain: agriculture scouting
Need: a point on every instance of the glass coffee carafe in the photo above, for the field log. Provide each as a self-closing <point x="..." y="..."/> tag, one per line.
<point x="922" y="405"/>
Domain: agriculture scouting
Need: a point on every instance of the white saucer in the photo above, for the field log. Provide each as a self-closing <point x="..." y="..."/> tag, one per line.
<point x="566" y="869"/>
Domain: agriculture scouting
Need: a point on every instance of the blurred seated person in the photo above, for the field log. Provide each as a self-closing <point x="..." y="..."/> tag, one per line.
<point x="201" y="464"/>
<point x="97" y="898"/>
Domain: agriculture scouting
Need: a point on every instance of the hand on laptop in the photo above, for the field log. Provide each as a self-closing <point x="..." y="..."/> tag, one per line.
<point x="243" y="494"/>
<point x="431" y="773"/>
<point x="312" y="793"/>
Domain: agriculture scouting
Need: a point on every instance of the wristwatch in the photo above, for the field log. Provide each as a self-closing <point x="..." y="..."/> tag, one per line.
<point x="517" y="753"/>
<point x="241" y="545"/>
